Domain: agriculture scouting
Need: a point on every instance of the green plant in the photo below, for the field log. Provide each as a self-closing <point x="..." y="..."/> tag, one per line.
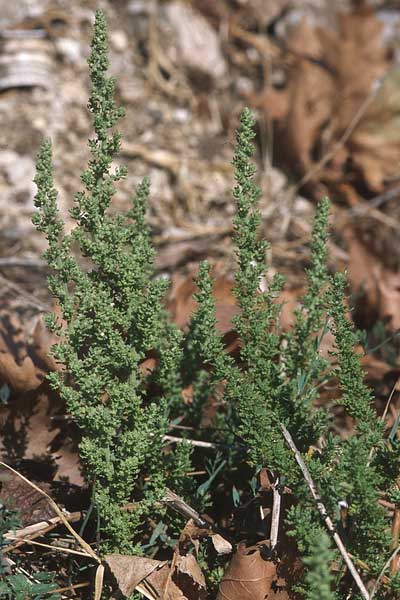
<point x="19" y="587"/>
<point x="280" y="375"/>
<point x="113" y="319"/>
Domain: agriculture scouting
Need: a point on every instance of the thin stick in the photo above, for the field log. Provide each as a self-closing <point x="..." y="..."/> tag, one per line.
<point x="389" y="400"/>
<point x="198" y="443"/>
<point x="324" y="514"/>
<point x="276" y="513"/>
<point x="386" y="566"/>
<point x="29" y="298"/>
<point x="178" y="504"/>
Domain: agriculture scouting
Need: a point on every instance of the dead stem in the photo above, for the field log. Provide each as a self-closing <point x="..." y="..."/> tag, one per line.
<point x="324" y="514"/>
<point x="276" y="512"/>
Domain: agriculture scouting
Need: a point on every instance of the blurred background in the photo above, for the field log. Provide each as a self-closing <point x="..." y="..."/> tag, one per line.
<point x="323" y="80"/>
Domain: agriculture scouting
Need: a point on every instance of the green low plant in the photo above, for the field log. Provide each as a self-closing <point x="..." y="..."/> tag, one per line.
<point x="279" y="378"/>
<point x="19" y="587"/>
<point x="113" y="318"/>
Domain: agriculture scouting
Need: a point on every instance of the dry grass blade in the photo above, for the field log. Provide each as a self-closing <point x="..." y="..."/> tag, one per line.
<point x="98" y="587"/>
<point x="71" y="588"/>
<point x="390" y="399"/>
<point x="58" y="548"/>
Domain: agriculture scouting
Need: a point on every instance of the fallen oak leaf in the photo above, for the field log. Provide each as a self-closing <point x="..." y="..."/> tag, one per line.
<point x="340" y="103"/>
<point x="131" y="571"/>
<point x="186" y="580"/>
<point x="249" y="576"/>
<point x="182" y="304"/>
<point x="17" y="366"/>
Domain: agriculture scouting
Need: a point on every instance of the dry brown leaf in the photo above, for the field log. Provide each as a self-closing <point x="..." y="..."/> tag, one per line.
<point x="221" y="545"/>
<point x="42" y="341"/>
<point x="186" y="581"/>
<point x="311" y="95"/>
<point x="380" y="285"/>
<point x="148" y="366"/>
<point x="290" y="299"/>
<point x="389" y="289"/>
<point x="24" y="357"/>
<point x="375" y="369"/>
<point x="332" y="115"/>
<point x="29" y="431"/>
<point x="248" y="577"/>
<point x="130" y="571"/>
<point x="183" y="580"/>
<point x="17" y="367"/>
<point x="15" y="493"/>
<point x="182" y="304"/>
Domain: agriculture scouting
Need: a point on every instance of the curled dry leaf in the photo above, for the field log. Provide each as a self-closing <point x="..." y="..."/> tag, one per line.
<point x="25" y="343"/>
<point x="248" y="577"/>
<point x="183" y="580"/>
<point x="186" y="580"/>
<point x="17" y="361"/>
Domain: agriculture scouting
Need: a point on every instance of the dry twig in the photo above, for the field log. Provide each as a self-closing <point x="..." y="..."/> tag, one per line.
<point x="36" y="530"/>
<point x="276" y="512"/>
<point x="324" y="514"/>
<point x="180" y="506"/>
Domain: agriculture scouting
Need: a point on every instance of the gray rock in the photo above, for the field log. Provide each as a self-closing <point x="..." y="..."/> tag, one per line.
<point x="198" y="45"/>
